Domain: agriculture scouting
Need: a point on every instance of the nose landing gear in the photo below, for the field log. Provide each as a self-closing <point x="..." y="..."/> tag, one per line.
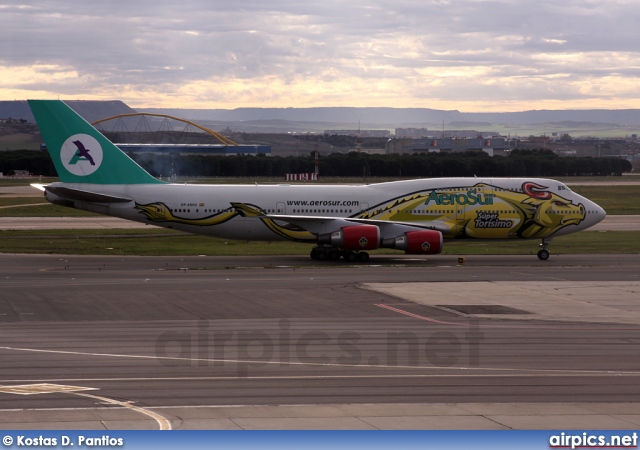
<point x="543" y="253"/>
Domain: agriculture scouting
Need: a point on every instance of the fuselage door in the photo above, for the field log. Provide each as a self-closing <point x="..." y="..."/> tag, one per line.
<point x="485" y="215"/>
<point x="460" y="211"/>
<point x="280" y="208"/>
<point x="473" y="202"/>
<point x="460" y="219"/>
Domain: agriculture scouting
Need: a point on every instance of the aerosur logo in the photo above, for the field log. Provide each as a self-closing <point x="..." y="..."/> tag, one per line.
<point x="81" y="154"/>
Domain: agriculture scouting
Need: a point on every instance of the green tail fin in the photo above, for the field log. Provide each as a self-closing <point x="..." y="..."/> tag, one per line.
<point x="80" y="153"/>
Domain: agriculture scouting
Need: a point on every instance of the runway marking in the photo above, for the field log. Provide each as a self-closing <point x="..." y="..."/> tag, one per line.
<point x="163" y="423"/>
<point x="552" y="373"/>
<point x="21" y="206"/>
<point x="299" y="363"/>
<point x="49" y="388"/>
<point x="417" y="316"/>
<point x="43" y="388"/>
<point x="164" y="280"/>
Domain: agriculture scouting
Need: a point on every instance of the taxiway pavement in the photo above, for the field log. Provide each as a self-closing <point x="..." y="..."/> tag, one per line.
<point x="283" y="342"/>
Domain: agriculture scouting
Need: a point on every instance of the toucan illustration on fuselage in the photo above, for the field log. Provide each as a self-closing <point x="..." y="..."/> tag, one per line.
<point x="347" y="221"/>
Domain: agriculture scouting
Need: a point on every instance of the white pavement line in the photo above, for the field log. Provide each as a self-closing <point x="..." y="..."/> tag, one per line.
<point x="525" y="373"/>
<point x="162" y="422"/>
<point x="358" y="366"/>
<point x="26" y="204"/>
<point x="73" y="390"/>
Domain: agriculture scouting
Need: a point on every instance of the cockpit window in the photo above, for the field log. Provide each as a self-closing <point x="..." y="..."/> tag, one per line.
<point x="562" y="187"/>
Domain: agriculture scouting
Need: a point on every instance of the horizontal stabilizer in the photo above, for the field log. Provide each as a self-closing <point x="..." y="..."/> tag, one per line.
<point x="41" y="187"/>
<point x="76" y="194"/>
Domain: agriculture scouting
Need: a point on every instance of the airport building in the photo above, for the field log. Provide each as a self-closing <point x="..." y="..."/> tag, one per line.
<point x="491" y="146"/>
<point x="411" y="133"/>
<point x="360" y="133"/>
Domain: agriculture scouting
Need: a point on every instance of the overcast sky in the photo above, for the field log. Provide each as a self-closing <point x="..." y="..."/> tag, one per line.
<point x="469" y="55"/>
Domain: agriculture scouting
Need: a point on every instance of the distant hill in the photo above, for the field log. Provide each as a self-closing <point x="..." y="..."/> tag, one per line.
<point x="390" y="118"/>
<point x="319" y="119"/>
<point x="15" y="110"/>
<point x="405" y="115"/>
<point x="90" y="110"/>
<point x="467" y="124"/>
<point x="610" y="116"/>
<point x="334" y="115"/>
<point x="328" y="116"/>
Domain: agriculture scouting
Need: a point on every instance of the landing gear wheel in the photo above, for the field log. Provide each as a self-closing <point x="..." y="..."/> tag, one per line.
<point x="314" y="253"/>
<point x="363" y="257"/>
<point x="350" y="256"/>
<point x="543" y="254"/>
<point x="322" y="255"/>
<point x="334" y="255"/>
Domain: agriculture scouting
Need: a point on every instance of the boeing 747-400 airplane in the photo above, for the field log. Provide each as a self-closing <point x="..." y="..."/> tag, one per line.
<point x="347" y="221"/>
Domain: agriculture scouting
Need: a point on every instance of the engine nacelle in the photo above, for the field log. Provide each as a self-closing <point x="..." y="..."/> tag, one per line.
<point x="420" y="242"/>
<point x="357" y="237"/>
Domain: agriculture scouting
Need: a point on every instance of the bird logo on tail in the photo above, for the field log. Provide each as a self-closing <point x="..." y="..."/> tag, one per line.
<point x="81" y="154"/>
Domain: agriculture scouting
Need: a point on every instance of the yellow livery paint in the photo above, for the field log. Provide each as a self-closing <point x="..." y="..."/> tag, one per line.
<point x="484" y="211"/>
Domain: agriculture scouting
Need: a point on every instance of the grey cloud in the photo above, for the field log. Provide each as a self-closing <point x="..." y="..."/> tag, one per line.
<point x="163" y="43"/>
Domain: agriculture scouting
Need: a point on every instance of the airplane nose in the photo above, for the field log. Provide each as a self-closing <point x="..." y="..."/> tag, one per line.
<point x="602" y="211"/>
<point x="598" y="213"/>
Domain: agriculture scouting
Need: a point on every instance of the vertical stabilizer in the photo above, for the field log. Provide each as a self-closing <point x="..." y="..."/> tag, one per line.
<point x="80" y="153"/>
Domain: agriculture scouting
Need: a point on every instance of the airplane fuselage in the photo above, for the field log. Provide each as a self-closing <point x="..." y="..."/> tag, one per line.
<point x="483" y="208"/>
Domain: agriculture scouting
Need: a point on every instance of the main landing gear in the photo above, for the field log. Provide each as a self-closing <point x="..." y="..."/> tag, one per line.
<point x="334" y="254"/>
<point x="543" y="253"/>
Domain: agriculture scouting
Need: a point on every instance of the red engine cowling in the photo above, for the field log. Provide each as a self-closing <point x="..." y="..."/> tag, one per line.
<point x="426" y="242"/>
<point x="357" y="237"/>
<point x="420" y="242"/>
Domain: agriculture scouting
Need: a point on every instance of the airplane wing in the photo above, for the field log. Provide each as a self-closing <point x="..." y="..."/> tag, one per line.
<point x="321" y="225"/>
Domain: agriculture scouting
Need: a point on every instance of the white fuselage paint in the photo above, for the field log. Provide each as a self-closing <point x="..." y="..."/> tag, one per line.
<point x="193" y="202"/>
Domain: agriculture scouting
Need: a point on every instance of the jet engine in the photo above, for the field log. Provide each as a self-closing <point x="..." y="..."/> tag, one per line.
<point x="420" y="242"/>
<point x="356" y="238"/>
